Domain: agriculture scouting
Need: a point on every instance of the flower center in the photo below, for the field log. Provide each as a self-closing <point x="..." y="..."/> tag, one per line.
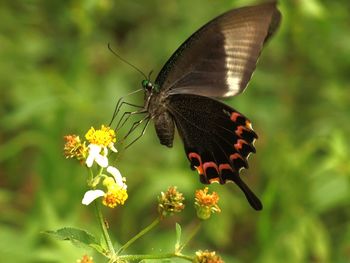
<point x="104" y="136"/>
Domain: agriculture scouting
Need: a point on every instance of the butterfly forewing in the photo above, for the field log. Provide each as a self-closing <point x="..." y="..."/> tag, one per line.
<point x="219" y="59"/>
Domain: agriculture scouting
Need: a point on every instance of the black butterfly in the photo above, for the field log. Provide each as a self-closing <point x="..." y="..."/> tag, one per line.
<point x="216" y="61"/>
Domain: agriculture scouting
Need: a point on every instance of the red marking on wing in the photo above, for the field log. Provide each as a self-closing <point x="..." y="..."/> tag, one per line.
<point x="225" y="166"/>
<point x="239" y="144"/>
<point x="234" y="116"/>
<point x="196" y="156"/>
<point x="240" y="130"/>
<point x="210" y="165"/>
<point x="200" y="170"/>
<point x="235" y="156"/>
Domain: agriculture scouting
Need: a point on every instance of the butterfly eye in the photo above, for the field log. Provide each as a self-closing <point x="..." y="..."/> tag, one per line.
<point x="144" y="83"/>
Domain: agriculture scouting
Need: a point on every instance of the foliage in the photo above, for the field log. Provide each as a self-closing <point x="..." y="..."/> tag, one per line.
<point x="57" y="77"/>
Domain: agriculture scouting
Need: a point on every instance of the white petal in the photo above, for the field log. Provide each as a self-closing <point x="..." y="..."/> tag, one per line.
<point x="91" y="195"/>
<point x="117" y="176"/>
<point x="89" y="160"/>
<point x="94" y="155"/>
<point x="111" y="146"/>
<point x="94" y="148"/>
<point x="101" y="160"/>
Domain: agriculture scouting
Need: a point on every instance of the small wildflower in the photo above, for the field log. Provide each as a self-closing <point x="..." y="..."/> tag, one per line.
<point x="104" y="136"/>
<point x="75" y="148"/>
<point x="170" y="202"/>
<point x="207" y="257"/>
<point x="85" y="259"/>
<point x="100" y="140"/>
<point x="206" y="204"/>
<point x="116" y="193"/>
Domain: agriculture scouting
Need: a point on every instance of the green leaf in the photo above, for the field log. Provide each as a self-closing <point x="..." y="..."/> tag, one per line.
<point x="77" y="236"/>
<point x="103" y="245"/>
<point x="99" y="249"/>
<point x="178" y="236"/>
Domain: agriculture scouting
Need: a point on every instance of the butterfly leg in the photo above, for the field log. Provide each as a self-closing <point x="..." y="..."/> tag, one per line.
<point x="119" y="106"/>
<point x="121" y="102"/>
<point x="125" y="117"/>
<point x="116" y="110"/>
<point x="134" y="126"/>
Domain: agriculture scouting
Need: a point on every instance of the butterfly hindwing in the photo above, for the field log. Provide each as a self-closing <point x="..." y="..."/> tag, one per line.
<point x="217" y="139"/>
<point x="219" y="59"/>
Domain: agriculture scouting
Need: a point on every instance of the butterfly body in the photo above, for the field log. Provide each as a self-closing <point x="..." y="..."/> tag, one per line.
<point x="156" y="106"/>
<point x="216" y="61"/>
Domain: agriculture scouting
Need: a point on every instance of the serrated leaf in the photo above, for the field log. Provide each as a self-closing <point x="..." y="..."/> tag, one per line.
<point x="77" y="236"/>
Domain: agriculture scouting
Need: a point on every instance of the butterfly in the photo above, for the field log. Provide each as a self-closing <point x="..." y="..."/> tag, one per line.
<point x="217" y="61"/>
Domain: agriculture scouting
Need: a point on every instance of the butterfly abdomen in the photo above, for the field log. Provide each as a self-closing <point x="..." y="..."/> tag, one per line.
<point x="165" y="128"/>
<point x="163" y="121"/>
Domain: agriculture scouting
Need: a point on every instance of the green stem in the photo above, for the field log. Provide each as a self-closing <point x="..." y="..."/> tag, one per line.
<point x="91" y="176"/>
<point x="140" y="234"/>
<point x="100" y="171"/>
<point x="159" y="256"/>
<point x="104" y="231"/>
<point x="192" y="234"/>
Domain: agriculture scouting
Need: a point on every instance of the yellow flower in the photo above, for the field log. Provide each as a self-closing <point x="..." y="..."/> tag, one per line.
<point x="115" y="196"/>
<point x="207" y="257"/>
<point x="100" y="140"/>
<point x="206" y="204"/>
<point x="103" y="137"/>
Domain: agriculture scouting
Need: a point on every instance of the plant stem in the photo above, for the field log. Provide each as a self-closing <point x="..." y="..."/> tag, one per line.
<point x="192" y="234"/>
<point x="91" y="177"/>
<point x="137" y="236"/>
<point x="100" y="171"/>
<point x="104" y="231"/>
<point x="159" y="256"/>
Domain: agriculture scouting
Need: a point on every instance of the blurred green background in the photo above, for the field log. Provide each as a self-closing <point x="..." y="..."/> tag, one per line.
<point x="57" y="77"/>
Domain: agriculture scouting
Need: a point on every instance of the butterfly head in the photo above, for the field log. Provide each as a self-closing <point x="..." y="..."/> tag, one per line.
<point x="149" y="86"/>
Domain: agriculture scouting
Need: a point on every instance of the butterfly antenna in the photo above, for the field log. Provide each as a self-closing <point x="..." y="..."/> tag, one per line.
<point x="149" y="75"/>
<point x="126" y="62"/>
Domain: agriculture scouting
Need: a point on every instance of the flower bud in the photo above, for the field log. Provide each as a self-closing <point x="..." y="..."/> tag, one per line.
<point x="206" y="204"/>
<point x="170" y="202"/>
<point x="74" y="147"/>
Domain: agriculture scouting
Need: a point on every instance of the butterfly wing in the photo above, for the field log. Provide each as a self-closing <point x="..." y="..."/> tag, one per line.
<point x="219" y="59"/>
<point x="217" y="139"/>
